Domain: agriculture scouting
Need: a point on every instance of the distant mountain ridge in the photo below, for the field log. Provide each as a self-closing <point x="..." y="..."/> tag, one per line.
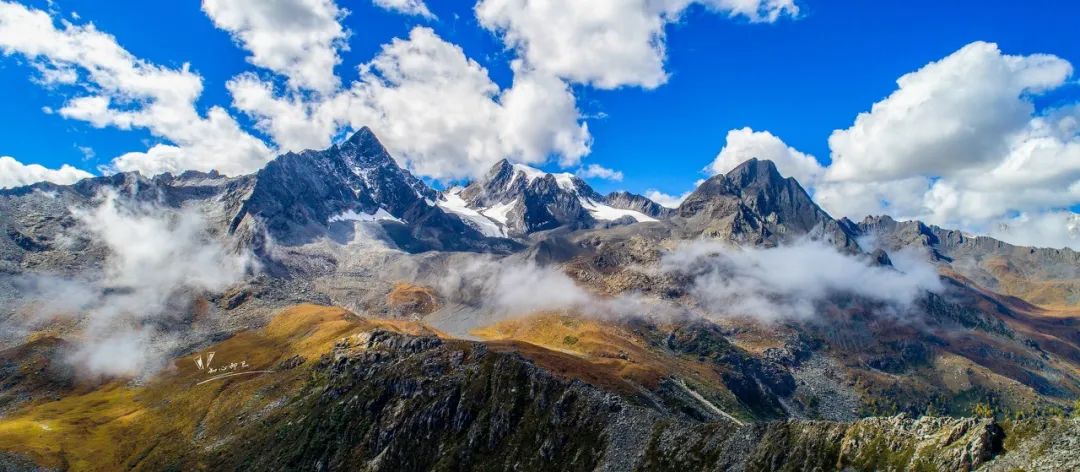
<point x="517" y="200"/>
<point x="1043" y="276"/>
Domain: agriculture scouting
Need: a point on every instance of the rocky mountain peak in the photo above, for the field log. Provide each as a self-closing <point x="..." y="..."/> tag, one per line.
<point x="363" y="137"/>
<point x="362" y="149"/>
<point x="756" y="172"/>
<point x="501" y="170"/>
<point x="297" y="196"/>
<point x="754" y="202"/>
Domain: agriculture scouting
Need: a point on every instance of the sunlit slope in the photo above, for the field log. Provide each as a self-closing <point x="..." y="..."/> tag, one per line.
<point x="180" y="413"/>
<point x="845" y="366"/>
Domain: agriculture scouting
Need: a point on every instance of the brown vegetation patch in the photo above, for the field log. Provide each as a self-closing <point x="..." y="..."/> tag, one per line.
<point x="406" y="300"/>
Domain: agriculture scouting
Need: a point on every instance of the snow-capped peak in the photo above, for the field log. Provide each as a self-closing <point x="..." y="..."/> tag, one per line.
<point x="565" y="180"/>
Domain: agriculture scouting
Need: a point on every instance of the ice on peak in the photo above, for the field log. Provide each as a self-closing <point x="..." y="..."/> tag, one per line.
<point x="565" y="180"/>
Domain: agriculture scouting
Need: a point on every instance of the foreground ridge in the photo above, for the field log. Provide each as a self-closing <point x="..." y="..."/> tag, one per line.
<point x="393" y="396"/>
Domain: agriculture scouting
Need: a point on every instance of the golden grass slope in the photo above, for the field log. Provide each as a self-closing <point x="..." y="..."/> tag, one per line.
<point x="116" y="425"/>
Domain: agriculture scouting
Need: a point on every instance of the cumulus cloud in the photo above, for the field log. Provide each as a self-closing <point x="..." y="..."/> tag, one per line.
<point x="298" y="39"/>
<point x="667" y="200"/>
<point x="436" y="110"/>
<point x="790" y="282"/>
<point x="157" y="260"/>
<point x="408" y="7"/>
<point x="599" y="172"/>
<point x="16" y="174"/>
<point x="955" y="116"/>
<point x="127" y="92"/>
<point x="606" y="43"/>
<point x="743" y="144"/>
<point x="960" y="143"/>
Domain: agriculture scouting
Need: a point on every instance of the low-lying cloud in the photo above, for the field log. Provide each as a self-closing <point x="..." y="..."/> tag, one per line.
<point x="509" y="287"/>
<point x="157" y="260"/>
<point x="789" y="282"/>
<point x="768" y="284"/>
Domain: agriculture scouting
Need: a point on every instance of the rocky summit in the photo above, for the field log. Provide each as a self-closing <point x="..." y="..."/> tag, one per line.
<point x="332" y="311"/>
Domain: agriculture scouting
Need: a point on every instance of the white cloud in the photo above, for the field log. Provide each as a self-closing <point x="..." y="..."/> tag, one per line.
<point x="509" y="287"/>
<point x="664" y="199"/>
<point x="213" y="143"/>
<point x="961" y="144"/>
<point x="743" y="144"/>
<point x="408" y="7"/>
<point x="434" y="108"/>
<point x="127" y="92"/>
<point x="668" y="200"/>
<point x="597" y="171"/>
<point x="959" y="115"/>
<point x="496" y="288"/>
<point x="299" y="39"/>
<point x="154" y="255"/>
<point x="16" y="174"/>
<point x="899" y="198"/>
<point x="606" y="43"/>
<point x="989" y="208"/>
<point x="87" y="152"/>
<point x="788" y="282"/>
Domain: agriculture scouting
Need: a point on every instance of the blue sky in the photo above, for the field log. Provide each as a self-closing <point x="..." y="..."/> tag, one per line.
<point x="800" y="77"/>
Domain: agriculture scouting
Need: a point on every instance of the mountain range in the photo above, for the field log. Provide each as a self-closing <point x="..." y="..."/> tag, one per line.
<point x="522" y="321"/>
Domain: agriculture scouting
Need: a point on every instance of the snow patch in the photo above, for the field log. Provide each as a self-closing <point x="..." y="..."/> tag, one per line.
<point x="608" y="213"/>
<point x="453" y="203"/>
<point x="499" y="212"/>
<point x="566" y="181"/>
<point x="379" y="215"/>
